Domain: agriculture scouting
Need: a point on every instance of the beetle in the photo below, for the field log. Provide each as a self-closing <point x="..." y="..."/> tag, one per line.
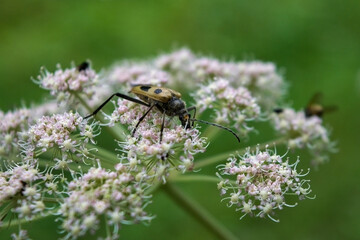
<point x="167" y="101"/>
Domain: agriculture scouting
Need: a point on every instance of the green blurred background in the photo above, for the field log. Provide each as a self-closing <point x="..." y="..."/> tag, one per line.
<point x="315" y="43"/>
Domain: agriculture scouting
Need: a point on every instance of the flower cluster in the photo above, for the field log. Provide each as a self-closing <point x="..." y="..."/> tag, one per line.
<point x="116" y="195"/>
<point x="184" y="69"/>
<point x="12" y="125"/>
<point x="25" y="186"/>
<point x="230" y="104"/>
<point x="134" y="74"/>
<point x="177" y="63"/>
<point x="15" y="180"/>
<point x="64" y="82"/>
<point x="261" y="182"/>
<point x="260" y="78"/>
<point x="177" y="148"/>
<point x="65" y="133"/>
<point x="302" y="131"/>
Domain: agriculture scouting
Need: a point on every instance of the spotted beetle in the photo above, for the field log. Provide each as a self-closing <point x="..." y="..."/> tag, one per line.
<point x="167" y="101"/>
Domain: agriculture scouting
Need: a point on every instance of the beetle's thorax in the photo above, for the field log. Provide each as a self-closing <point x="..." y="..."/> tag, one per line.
<point x="174" y="107"/>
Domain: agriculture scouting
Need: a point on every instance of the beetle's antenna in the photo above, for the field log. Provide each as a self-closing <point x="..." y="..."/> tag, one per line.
<point x="217" y="125"/>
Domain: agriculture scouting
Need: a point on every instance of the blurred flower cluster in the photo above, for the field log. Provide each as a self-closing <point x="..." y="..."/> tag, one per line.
<point x="304" y="132"/>
<point x="56" y="157"/>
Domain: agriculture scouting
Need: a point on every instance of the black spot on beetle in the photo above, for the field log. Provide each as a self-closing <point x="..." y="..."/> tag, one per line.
<point x="157" y="91"/>
<point x="145" y="88"/>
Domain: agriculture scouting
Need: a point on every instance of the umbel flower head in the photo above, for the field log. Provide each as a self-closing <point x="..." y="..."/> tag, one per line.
<point x="258" y="183"/>
<point x="23" y="187"/>
<point x="63" y="83"/>
<point x="12" y="125"/>
<point x="231" y="105"/>
<point x="184" y="69"/>
<point x="66" y="134"/>
<point x="114" y="195"/>
<point x="304" y="132"/>
<point x="144" y="149"/>
<point x="135" y="74"/>
<point x="260" y="78"/>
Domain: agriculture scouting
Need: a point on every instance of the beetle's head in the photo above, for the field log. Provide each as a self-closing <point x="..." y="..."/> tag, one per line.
<point x="185" y="120"/>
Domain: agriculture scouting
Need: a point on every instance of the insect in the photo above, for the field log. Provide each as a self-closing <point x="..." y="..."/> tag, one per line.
<point x="278" y="110"/>
<point x="167" y="101"/>
<point x="24" y="184"/>
<point x="314" y="107"/>
<point x="83" y="66"/>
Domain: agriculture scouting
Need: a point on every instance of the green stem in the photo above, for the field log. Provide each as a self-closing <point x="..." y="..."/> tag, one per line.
<point x="116" y="132"/>
<point x="107" y="227"/>
<point x="82" y="101"/>
<point x="192" y="177"/>
<point x="154" y="187"/>
<point x="37" y="217"/>
<point x="51" y="200"/>
<point x="108" y="158"/>
<point x="196" y="178"/>
<point x="225" y="155"/>
<point x="5" y="210"/>
<point x="213" y="159"/>
<point x="198" y="212"/>
<point x="105" y="153"/>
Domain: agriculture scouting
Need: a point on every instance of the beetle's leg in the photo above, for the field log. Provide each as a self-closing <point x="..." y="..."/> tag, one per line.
<point x="141" y="119"/>
<point x="162" y="126"/>
<point x="120" y="95"/>
<point x="192" y="108"/>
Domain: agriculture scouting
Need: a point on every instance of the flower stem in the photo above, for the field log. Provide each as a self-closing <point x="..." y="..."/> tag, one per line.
<point x="198" y="212"/>
<point x="193" y="177"/>
<point x="107" y="227"/>
<point x="225" y="155"/>
<point x="154" y="187"/>
<point x="196" y="178"/>
<point x="37" y="217"/>
<point x="105" y="155"/>
<point x="6" y="210"/>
